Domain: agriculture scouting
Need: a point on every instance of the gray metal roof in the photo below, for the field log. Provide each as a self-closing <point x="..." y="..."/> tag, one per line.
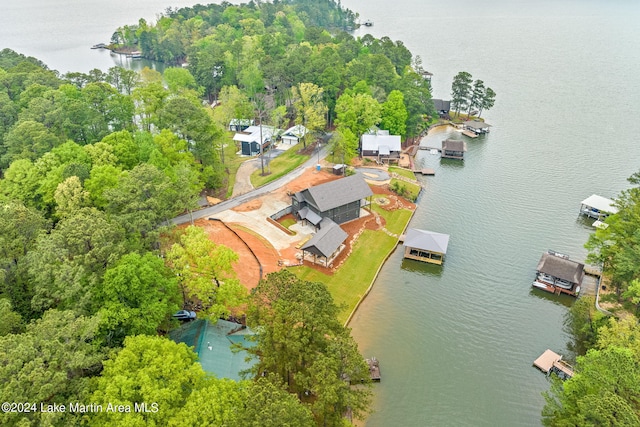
<point x="600" y="203"/>
<point x="337" y="193"/>
<point x="454" y="145"/>
<point x="426" y="240"/>
<point x="326" y="240"/>
<point x="309" y="215"/>
<point x="476" y="124"/>
<point x="561" y="268"/>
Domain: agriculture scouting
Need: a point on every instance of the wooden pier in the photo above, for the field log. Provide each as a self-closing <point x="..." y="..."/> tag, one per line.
<point x="424" y="171"/>
<point x="469" y="134"/>
<point x="550" y="362"/>
<point x="374" y="369"/>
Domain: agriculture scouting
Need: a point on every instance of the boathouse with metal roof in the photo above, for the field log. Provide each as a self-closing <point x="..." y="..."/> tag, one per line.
<point x="425" y="246"/>
<point x="597" y="207"/>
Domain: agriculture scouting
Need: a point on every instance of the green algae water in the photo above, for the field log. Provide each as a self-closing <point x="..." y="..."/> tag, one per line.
<point x="456" y="343"/>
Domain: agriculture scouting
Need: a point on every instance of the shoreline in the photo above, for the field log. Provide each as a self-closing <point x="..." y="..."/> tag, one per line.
<point x="375" y="276"/>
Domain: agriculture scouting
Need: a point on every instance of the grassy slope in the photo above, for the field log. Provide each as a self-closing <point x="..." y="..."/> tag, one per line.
<point x="280" y="166"/>
<point x="349" y="284"/>
<point x="404" y="172"/>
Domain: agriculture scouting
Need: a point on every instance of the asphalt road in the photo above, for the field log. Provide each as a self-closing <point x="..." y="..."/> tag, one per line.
<point x="236" y="201"/>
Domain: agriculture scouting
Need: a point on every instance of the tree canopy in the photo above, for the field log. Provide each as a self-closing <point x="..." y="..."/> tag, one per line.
<point x="303" y="345"/>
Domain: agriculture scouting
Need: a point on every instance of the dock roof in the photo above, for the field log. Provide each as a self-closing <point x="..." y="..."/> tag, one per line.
<point x="561" y="268"/>
<point x="600" y="203"/>
<point x="454" y="145"/>
<point x="326" y="240"/>
<point x="426" y="240"/>
<point x="476" y="124"/>
<point x="336" y="193"/>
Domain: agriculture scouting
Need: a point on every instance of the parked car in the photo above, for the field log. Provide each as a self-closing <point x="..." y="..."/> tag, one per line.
<point x="185" y="315"/>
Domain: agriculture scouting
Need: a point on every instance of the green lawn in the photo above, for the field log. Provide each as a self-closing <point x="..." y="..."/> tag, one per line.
<point x="396" y="220"/>
<point x="407" y="190"/>
<point x="231" y="162"/>
<point x="281" y="165"/>
<point x="288" y="222"/>
<point x="349" y="284"/>
<point x="403" y="172"/>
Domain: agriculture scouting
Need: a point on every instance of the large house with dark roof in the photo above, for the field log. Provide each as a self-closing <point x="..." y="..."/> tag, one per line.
<point x="338" y="200"/>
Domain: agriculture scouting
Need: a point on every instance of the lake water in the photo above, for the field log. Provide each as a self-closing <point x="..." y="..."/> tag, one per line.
<point x="456" y="343"/>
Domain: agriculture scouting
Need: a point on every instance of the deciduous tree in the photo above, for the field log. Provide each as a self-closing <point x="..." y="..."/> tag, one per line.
<point x="301" y="341"/>
<point x="137" y="296"/>
<point x="394" y="114"/>
<point x="309" y="106"/>
<point x="50" y="362"/>
<point x="205" y="272"/>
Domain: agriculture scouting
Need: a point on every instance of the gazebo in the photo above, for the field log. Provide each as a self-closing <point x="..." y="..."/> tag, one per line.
<point x="326" y="244"/>
<point x="425" y="246"/>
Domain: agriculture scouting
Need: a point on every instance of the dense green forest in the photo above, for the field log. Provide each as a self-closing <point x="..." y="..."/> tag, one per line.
<point x="605" y="390"/>
<point x="94" y="166"/>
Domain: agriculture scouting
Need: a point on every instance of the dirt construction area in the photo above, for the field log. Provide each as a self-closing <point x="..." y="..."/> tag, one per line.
<point x="264" y="247"/>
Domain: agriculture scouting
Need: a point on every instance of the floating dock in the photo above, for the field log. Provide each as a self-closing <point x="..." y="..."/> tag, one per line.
<point x="550" y="361"/>
<point x="469" y="134"/>
<point x="374" y="369"/>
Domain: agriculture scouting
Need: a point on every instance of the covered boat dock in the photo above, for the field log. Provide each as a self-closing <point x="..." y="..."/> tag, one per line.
<point x="597" y="207"/>
<point x="557" y="274"/>
<point x="425" y="246"/>
<point x="476" y="127"/>
<point x="453" y="149"/>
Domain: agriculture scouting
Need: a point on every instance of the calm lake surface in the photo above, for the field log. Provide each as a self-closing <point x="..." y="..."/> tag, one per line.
<point x="456" y="344"/>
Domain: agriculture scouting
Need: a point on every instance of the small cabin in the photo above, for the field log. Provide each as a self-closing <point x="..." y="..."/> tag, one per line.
<point x="425" y="246"/>
<point x="453" y="149"/>
<point x="597" y="207"/>
<point x="557" y="274"/>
